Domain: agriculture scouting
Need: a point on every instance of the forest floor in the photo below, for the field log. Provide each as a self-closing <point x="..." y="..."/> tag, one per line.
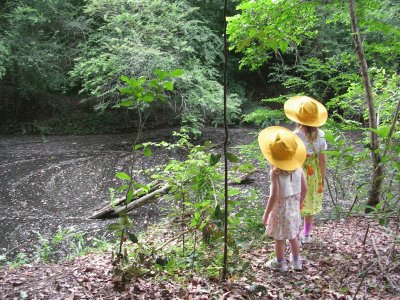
<point x="354" y="258"/>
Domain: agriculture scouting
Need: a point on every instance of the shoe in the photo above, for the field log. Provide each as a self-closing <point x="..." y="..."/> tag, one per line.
<point x="306" y="239"/>
<point x="277" y="266"/>
<point x="297" y="264"/>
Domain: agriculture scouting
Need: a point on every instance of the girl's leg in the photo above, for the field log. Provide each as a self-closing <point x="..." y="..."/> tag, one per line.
<point x="295" y="260"/>
<point x="280" y="250"/>
<point x="278" y="263"/>
<point x="308" y="221"/>
<point x="294" y="248"/>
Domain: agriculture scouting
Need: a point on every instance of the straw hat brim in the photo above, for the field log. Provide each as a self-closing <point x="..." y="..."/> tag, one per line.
<point x="292" y="106"/>
<point x="268" y="135"/>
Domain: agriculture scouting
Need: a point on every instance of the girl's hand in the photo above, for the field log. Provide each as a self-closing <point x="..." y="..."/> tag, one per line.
<point x="265" y="219"/>
<point x="302" y="204"/>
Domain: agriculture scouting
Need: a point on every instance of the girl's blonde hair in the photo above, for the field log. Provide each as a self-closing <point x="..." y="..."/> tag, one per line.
<point x="278" y="171"/>
<point x="310" y="132"/>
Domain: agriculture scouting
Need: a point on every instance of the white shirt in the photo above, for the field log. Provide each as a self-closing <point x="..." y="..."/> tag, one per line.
<point x="290" y="184"/>
<point x="317" y="146"/>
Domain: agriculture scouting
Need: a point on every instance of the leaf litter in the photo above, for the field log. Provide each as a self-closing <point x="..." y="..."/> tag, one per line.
<point x="337" y="265"/>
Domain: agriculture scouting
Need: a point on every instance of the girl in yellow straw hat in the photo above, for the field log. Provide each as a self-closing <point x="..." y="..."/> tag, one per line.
<point x="286" y="153"/>
<point x="310" y="114"/>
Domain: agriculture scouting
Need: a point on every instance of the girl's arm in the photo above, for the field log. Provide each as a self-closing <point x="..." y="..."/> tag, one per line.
<point x="304" y="189"/>
<point x="322" y="165"/>
<point x="273" y="196"/>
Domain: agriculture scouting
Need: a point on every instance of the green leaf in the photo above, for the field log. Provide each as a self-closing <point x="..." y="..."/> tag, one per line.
<point x="382" y="221"/>
<point x="231" y="157"/>
<point x="283" y="45"/>
<point x="148" y="97"/>
<point x="133" y="238"/>
<point x="122" y="188"/>
<point x="125" y="221"/>
<point x="214" y="159"/>
<point x="134" y="83"/>
<point x="154" y="83"/>
<point x="147" y="151"/>
<point x="168" y="85"/>
<point x="129" y="196"/>
<point x="176" y="73"/>
<point x="126" y="103"/>
<point x="332" y="152"/>
<point x="243" y="44"/>
<point x="125" y="91"/>
<point x="123" y="176"/>
<point x="161" y="74"/>
<point x="115" y="227"/>
<point x="217" y="211"/>
<point x="124" y="78"/>
<point x="330" y="138"/>
<point x="382" y="131"/>
<point x="252" y="32"/>
<point x="141" y="186"/>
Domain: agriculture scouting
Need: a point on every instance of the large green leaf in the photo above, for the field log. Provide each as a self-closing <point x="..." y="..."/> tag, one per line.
<point x="214" y="159"/>
<point x="123" y="176"/>
<point x="176" y="73"/>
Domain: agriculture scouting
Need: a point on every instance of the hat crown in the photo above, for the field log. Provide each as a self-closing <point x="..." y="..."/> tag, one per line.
<point x="283" y="148"/>
<point x="308" y="111"/>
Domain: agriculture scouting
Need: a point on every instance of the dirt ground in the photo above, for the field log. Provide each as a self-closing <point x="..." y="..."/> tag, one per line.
<point x="354" y="258"/>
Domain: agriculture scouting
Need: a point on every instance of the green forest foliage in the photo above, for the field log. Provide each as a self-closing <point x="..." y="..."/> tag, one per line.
<point x="318" y="57"/>
<point x="83" y="48"/>
<point x="54" y="54"/>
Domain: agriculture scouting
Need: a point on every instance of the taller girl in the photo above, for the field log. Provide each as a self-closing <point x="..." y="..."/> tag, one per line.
<point x="310" y="114"/>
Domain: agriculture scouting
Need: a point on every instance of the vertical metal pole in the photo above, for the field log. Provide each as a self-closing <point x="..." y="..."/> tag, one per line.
<point x="225" y="150"/>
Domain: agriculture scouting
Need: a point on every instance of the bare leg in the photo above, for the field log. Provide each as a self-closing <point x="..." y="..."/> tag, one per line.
<point x="280" y="249"/>
<point x="295" y="260"/>
<point x="294" y="247"/>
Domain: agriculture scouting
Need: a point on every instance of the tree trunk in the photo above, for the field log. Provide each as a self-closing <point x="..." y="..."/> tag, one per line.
<point x="377" y="172"/>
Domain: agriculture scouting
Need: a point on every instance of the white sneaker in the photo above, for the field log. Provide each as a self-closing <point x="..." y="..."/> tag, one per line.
<point x="306" y="239"/>
<point x="297" y="264"/>
<point x="277" y="266"/>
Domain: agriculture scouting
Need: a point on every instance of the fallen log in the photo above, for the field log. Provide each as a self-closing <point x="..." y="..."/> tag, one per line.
<point x="109" y="211"/>
<point x="244" y="179"/>
<point x="144" y="200"/>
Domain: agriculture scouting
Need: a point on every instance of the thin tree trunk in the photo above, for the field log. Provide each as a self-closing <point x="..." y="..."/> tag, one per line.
<point x="377" y="173"/>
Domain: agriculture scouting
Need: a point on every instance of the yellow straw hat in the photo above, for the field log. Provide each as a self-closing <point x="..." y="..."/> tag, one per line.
<point x="282" y="148"/>
<point x="305" y="110"/>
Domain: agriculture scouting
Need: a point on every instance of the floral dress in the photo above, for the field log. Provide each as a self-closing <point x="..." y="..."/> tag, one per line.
<point x="312" y="171"/>
<point x="284" y="221"/>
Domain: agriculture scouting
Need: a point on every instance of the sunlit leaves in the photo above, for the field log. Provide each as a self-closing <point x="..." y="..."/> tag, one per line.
<point x="123" y="176"/>
<point x="141" y="91"/>
<point x="147" y="151"/>
<point x="267" y="25"/>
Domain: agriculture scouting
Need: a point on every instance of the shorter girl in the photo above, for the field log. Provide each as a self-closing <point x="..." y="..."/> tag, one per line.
<point x="286" y="153"/>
